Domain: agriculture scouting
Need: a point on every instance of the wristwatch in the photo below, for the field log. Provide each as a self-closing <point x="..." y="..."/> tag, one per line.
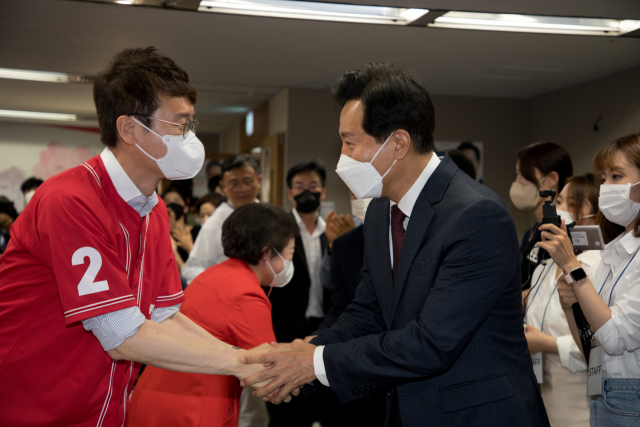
<point x="576" y="275"/>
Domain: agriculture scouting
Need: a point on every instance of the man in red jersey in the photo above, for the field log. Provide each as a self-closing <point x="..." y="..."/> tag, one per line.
<point x="90" y="257"/>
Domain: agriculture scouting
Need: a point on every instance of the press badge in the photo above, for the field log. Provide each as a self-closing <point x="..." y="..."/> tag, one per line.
<point x="536" y="359"/>
<point x="595" y="378"/>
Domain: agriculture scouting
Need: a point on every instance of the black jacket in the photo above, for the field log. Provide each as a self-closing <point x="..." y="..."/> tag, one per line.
<point x="289" y="304"/>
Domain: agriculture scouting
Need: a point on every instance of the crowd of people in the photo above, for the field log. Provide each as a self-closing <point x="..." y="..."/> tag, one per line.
<point x="417" y="305"/>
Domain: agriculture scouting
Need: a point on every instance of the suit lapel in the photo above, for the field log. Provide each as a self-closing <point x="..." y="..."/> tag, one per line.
<point x="421" y="217"/>
<point x="379" y="259"/>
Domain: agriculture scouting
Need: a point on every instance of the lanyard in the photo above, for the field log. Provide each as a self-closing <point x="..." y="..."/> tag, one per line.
<point x="536" y="293"/>
<point x="619" y="277"/>
<point x="545" y="307"/>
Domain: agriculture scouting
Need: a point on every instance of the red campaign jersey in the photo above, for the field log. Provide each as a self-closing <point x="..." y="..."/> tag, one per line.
<point x="77" y="251"/>
<point x="229" y="303"/>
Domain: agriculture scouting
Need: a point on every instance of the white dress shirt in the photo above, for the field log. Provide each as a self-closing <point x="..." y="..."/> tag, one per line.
<point x="620" y="336"/>
<point x="313" y="254"/>
<point x="543" y="303"/>
<point x="406" y="205"/>
<point x="207" y="249"/>
<point x="111" y="329"/>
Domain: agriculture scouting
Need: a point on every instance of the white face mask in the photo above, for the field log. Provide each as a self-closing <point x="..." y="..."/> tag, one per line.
<point x="282" y="279"/>
<point x="615" y="205"/>
<point x="184" y="158"/>
<point x="568" y="218"/>
<point x="28" y="195"/>
<point x="359" y="208"/>
<point x="361" y="177"/>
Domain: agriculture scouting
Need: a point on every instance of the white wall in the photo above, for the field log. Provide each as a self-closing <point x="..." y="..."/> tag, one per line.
<point x="230" y="141"/>
<point x="567" y="116"/>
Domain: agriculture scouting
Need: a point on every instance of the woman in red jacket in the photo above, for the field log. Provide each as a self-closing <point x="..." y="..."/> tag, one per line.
<point x="228" y="301"/>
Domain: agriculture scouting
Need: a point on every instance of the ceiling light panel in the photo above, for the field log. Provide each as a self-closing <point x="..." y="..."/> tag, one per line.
<point x="535" y="24"/>
<point x="37" y="76"/>
<point x="14" y="114"/>
<point x="315" y="11"/>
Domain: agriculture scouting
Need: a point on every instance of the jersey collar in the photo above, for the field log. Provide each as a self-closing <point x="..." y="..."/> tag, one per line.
<point x="125" y="187"/>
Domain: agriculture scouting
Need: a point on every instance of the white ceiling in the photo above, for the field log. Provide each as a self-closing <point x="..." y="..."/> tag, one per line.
<point x="239" y="62"/>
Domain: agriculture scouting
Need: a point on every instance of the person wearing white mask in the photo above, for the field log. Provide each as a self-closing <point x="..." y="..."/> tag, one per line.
<point x="228" y="302"/>
<point x="101" y="262"/>
<point x="29" y="187"/>
<point x="559" y="363"/>
<point x="436" y="322"/>
<point x="611" y="303"/>
<point x="540" y="166"/>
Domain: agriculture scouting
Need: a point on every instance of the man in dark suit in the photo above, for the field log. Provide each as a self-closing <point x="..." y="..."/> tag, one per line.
<point x="437" y="317"/>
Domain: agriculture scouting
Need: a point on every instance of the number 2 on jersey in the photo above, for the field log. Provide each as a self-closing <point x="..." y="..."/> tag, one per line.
<point x="87" y="285"/>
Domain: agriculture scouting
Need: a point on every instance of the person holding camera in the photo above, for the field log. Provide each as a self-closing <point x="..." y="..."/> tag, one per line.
<point x="547" y="331"/>
<point x="540" y="166"/>
<point x="611" y="304"/>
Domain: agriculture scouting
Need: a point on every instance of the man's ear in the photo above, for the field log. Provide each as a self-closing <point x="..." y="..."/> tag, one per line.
<point x="259" y="179"/>
<point x="126" y="127"/>
<point x="323" y="193"/>
<point x="402" y="141"/>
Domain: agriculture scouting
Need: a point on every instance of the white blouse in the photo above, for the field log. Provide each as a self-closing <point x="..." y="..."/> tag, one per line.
<point x="618" y="283"/>
<point x="543" y="305"/>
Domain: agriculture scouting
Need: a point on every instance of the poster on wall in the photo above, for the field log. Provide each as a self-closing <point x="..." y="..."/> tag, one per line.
<point x="473" y="150"/>
<point x="41" y="152"/>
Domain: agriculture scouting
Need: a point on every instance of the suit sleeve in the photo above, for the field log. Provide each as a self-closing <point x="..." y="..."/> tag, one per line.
<point x="337" y="288"/>
<point x="81" y="251"/>
<point x="361" y="318"/>
<point x="479" y="264"/>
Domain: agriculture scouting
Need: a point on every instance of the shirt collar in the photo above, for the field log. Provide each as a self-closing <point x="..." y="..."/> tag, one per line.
<point x="125" y="187"/>
<point x="320" y="224"/>
<point x="620" y="248"/>
<point x="409" y="199"/>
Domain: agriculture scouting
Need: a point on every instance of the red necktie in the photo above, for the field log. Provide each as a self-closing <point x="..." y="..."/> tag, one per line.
<point x="397" y="235"/>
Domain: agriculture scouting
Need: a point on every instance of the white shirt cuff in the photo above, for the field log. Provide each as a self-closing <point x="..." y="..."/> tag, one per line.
<point x="111" y="329"/>
<point x="161" y="314"/>
<point x="318" y="366"/>
<point x="570" y="355"/>
<point x="608" y="337"/>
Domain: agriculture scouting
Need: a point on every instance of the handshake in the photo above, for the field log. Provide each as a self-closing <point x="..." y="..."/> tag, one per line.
<point x="277" y="371"/>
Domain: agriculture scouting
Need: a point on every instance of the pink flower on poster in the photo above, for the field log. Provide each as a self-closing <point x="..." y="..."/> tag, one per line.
<point x="57" y="158"/>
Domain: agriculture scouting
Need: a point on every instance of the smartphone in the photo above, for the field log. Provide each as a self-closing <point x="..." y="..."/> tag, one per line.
<point x="587" y="238"/>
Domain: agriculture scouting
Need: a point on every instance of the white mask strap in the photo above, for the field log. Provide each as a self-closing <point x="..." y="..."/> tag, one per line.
<point x="148" y="155"/>
<point x="588" y="216"/>
<point x="385" y="143"/>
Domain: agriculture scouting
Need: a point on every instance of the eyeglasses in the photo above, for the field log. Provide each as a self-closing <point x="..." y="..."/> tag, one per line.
<point x="313" y="187"/>
<point x="189" y="125"/>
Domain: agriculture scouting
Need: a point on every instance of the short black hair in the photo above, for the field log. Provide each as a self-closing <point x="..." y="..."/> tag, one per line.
<point x="547" y="157"/>
<point x="132" y="84"/>
<point x="469" y="146"/>
<point x="30" y="184"/>
<point x="240" y="161"/>
<point x="463" y="162"/>
<point x="180" y="190"/>
<point x="392" y="98"/>
<point x="254" y="226"/>
<point x="310" y="166"/>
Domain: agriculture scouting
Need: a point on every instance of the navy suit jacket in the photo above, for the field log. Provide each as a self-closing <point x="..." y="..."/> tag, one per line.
<point x="347" y="253"/>
<point x="448" y="337"/>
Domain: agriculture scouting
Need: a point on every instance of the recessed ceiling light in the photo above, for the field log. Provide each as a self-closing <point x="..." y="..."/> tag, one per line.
<point x="38" y="116"/>
<point x="315" y="11"/>
<point x="38" y="76"/>
<point x="535" y="24"/>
